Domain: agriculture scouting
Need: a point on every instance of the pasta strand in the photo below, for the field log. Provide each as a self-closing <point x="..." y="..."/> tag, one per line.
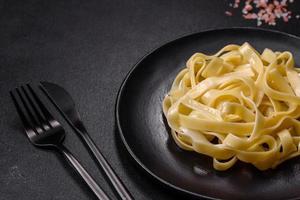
<point x="235" y="105"/>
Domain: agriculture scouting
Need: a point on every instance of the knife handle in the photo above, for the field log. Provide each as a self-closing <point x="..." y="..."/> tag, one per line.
<point x="112" y="176"/>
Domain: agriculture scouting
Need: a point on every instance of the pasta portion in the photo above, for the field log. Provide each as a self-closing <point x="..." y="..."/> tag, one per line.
<point x="237" y="104"/>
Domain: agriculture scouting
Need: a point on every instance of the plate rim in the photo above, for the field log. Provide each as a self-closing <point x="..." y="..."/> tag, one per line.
<point x="133" y="68"/>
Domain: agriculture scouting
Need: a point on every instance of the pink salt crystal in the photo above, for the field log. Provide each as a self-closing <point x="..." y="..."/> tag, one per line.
<point x="283" y="2"/>
<point x="262" y="3"/>
<point x="271" y="18"/>
<point x="277" y="12"/>
<point x="250" y="16"/>
<point x="267" y="11"/>
<point x="248" y="7"/>
<point x="265" y="17"/>
<point x="228" y="13"/>
<point x="270" y="7"/>
<point x="236" y="3"/>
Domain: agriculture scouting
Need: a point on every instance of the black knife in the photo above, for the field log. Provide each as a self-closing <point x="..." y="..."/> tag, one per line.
<point x="64" y="103"/>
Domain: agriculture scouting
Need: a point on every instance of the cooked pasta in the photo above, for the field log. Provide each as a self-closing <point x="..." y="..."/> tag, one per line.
<point x="235" y="105"/>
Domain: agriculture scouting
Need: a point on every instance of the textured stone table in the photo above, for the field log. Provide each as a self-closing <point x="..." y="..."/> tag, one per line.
<point x="87" y="47"/>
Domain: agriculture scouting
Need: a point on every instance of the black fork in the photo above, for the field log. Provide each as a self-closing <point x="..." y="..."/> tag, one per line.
<point x="44" y="131"/>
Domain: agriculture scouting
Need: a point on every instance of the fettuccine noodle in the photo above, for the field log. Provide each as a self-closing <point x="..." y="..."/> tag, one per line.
<point x="237" y="105"/>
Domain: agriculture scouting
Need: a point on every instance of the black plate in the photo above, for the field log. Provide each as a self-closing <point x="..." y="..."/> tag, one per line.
<point x="146" y="136"/>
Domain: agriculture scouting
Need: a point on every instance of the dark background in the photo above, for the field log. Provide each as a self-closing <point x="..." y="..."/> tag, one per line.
<point x="88" y="47"/>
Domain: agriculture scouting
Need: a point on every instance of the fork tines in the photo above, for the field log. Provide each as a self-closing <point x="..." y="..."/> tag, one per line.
<point x="31" y="109"/>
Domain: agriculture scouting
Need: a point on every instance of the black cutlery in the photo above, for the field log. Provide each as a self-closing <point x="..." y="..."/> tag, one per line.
<point x="63" y="101"/>
<point x="44" y="131"/>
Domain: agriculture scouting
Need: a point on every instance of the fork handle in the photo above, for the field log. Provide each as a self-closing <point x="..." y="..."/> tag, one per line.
<point x="83" y="173"/>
